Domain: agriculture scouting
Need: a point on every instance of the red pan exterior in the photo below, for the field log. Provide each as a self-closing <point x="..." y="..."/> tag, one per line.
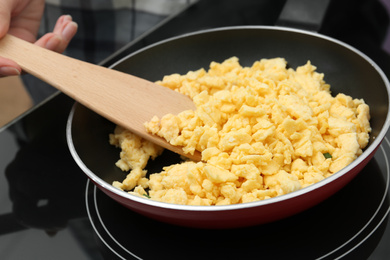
<point x="241" y="217"/>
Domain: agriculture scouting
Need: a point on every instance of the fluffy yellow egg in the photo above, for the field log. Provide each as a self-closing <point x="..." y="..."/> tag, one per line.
<point x="263" y="131"/>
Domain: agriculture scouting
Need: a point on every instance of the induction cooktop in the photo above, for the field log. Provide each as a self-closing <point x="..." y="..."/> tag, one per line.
<point x="50" y="210"/>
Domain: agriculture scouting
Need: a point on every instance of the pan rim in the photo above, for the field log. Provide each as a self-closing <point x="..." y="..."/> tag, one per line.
<point x="367" y="152"/>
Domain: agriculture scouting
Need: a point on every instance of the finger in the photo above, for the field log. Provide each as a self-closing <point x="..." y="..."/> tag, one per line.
<point x="64" y="30"/>
<point x="65" y="27"/>
<point x="9" y="68"/>
<point x="50" y="41"/>
<point x="67" y="35"/>
<point x="24" y="17"/>
<point x="20" y="18"/>
<point x="61" y="23"/>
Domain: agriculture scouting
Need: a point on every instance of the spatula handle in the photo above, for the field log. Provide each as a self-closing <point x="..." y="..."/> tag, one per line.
<point x="121" y="98"/>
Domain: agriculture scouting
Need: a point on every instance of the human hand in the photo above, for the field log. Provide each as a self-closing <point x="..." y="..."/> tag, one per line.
<point x="21" y="18"/>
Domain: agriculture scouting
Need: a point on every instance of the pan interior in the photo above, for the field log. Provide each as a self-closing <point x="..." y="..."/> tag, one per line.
<point x="345" y="70"/>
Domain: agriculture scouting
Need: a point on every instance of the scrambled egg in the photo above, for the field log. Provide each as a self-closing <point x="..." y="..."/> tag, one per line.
<point x="263" y="131"/>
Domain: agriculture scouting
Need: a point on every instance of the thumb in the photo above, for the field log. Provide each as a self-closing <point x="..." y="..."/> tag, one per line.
<point x="7" y="67"/>
<point x="5" y="17"/>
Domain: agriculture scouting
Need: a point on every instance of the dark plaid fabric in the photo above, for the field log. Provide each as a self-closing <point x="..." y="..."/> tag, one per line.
<point x="104" y="27"/>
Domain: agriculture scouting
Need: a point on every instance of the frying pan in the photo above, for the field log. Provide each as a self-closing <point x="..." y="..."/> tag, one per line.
<point x="346" y="69"/>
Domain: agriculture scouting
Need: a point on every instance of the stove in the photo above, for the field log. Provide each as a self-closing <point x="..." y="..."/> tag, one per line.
<point x="50" y="210"/>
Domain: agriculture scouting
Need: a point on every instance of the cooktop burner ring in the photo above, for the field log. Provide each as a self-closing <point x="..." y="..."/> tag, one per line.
<point x="87" y="191"/>
<point x="385" y="194"/>
<point x="114" y="244"/>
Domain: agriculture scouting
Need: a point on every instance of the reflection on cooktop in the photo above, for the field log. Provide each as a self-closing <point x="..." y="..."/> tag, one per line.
<point x="349" y="225"/>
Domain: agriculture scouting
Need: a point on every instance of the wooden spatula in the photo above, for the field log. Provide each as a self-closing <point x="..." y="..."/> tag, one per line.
<point x="124" y="99"/>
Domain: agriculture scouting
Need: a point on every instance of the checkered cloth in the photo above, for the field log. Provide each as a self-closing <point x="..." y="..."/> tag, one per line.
<point x="104" y="26"/>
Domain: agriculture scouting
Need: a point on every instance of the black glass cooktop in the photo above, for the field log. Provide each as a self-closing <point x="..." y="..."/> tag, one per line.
<point x="49" y="210"/>
<point x="350" y="224"/>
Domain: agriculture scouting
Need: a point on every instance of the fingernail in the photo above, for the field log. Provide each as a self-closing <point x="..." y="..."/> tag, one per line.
<point x="53" y="42"/>
<point x="9" y="71"/>
<point x="68" y="17"/>
<point x="69" y="31"/>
